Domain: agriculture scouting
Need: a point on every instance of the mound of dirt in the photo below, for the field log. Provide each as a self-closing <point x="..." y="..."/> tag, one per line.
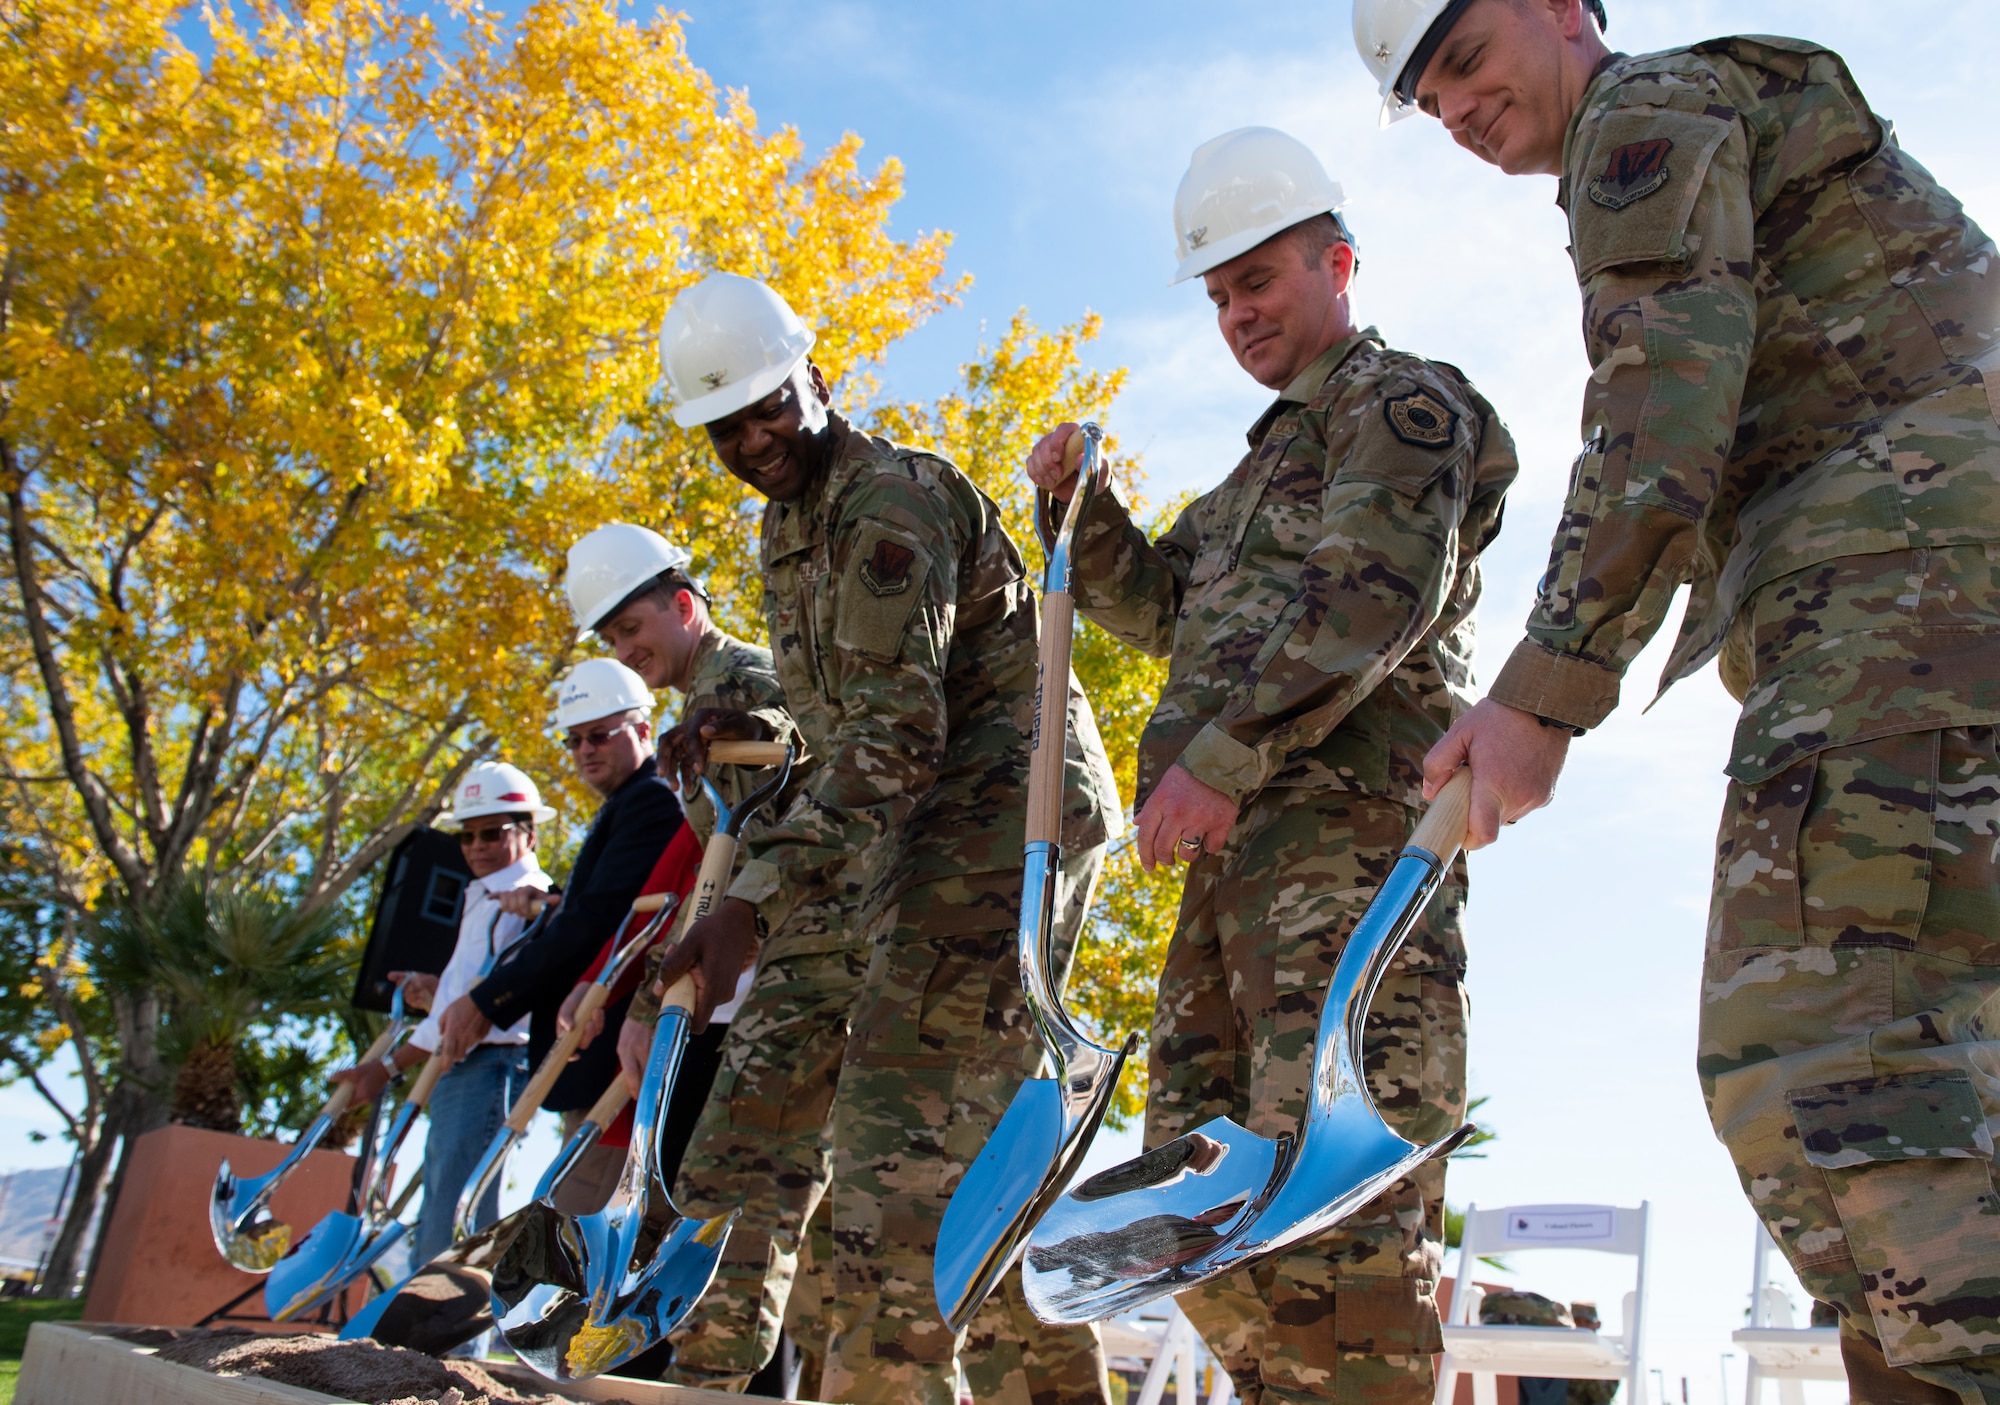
<point x="362" y="1370"/>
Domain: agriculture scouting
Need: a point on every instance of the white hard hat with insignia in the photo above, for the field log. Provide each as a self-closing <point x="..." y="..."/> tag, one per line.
<point x="1242" y="188"/>
<point x="728" y="342"/>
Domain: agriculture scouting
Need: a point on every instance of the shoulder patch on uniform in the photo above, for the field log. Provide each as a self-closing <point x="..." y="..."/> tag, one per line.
<point x="1422" y="419"/>
<point x="1634" y="171"/>
<point x="886" y="571"/>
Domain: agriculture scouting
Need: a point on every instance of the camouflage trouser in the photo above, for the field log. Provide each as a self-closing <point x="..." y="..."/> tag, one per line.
<point x="1850" y="1045"/>
<point x="940" y="1042"/>
<point x="762" y="1145"/>
<point x="1352" y="1315"/>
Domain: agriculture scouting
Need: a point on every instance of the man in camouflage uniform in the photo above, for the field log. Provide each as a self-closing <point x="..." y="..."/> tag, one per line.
<point x="1316" y="613"/>
<point x="905" y="638"/>
<point x="1796" y="335"/>
<point x="760" y="1145"/>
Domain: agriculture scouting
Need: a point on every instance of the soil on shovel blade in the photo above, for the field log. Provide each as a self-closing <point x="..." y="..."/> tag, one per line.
<point x="361" y="1370"/>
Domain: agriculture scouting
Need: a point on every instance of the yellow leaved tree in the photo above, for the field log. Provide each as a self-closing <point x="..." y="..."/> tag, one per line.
<point x="316" y="319"/>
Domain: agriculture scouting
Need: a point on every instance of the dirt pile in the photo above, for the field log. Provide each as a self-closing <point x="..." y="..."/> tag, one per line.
<point x="362" y="1370"/>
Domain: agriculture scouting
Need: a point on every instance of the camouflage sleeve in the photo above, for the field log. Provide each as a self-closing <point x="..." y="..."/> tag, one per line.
<point x="895" y="562"/>
<point x="1128" y="585"/>
<point x="1369" y="590"/>
<point x="645" y="1006"/>
<point x="1662" y="231"/>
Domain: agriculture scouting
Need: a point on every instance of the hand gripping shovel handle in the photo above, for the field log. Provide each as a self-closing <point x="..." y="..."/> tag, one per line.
<point x="1441" y="831"/>
<point x="344" y="1094"/>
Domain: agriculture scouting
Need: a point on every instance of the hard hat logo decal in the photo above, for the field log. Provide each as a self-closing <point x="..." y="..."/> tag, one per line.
<point x="472" y="790"/>
<point x="887" y="570"/>
<point x="1197" y="237"/>
<point x="714" y="380"/>
<point x="1634" y="171"/>
<point x="1420" y="418"/>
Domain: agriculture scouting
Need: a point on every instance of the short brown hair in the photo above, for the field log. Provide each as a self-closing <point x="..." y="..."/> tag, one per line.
<point x="1313" y="237"/>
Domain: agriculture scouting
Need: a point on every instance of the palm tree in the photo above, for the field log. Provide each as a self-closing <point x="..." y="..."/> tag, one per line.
<point x="232" y="966"/>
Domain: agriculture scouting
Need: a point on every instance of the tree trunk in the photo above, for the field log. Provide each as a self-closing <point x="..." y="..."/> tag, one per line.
<point x="59" y="1274"/>
<point x="134" y="1108"/>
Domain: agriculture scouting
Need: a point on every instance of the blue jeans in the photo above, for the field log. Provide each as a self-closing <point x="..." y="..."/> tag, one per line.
<point x="466" y="1109"/>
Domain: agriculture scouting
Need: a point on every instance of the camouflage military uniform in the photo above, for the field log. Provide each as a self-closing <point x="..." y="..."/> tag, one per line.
<point x="905" y="638"/>
<point x="1796" y="335"/>
<point x="761" y="1144"/>
<point x="1316" y="608"/>
<point x="1516" y="1307"/>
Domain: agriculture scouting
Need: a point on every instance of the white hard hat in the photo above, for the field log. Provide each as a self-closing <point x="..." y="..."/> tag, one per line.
<point x="1396" y="39"/>
<point x="599" y="688"/>
<point x="607" y="565"/>
<point x="728" y="342"/>
<point x="1242" y="188"/>
<point x="494" y="788"/>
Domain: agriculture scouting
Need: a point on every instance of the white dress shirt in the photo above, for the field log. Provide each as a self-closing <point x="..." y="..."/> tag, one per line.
<point x="484" y="931"/>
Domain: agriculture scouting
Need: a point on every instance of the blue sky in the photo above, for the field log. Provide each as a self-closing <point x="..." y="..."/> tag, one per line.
<point x="1049" y="138"/>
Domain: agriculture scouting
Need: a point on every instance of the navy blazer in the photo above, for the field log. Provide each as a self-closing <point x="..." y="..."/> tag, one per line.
<point x="632" y="829"/>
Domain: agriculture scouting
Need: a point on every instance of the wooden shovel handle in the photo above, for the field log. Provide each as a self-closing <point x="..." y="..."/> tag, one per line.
<point x="718" y="857"/>
<point x="650" y="902"/>
<point x="1442" y="829"/>
<point x="1051" y="734"/>
<point x="606" y="1109"/>
<point x="728" y="753"/>
<point x="680" y="995"/>
<point x="556" y="1060"/>
<point x="434" y="1069"/>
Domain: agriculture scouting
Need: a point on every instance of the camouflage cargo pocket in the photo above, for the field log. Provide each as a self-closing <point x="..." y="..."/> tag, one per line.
<point x="1909" y="1161"/>
<point x="1757" y="897"/>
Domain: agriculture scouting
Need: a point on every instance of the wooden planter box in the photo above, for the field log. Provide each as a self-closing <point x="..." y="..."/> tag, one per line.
<point x="159" y="1264"/>
<point x="66" y="1363"/>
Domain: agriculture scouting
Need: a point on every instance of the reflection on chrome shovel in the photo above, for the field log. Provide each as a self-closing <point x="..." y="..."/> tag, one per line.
<point x="342" y="1247"/>
<point x="576" y="1297"/>
<point x="245" y="1233"/>
<point x="449" y="1301"/>
<point x="1219" y="1198"/>
<point x="1050" y="1123"/>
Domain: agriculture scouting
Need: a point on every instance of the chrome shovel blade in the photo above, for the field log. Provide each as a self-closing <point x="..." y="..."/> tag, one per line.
<point x="449" y="1301"/>
<point x="576" y="1297"/>
<point x="1047" y="1129"/>
<point x="1221" y="1197"/>
<point x="337" y="1251"/>
<point x="245" y="1233"/>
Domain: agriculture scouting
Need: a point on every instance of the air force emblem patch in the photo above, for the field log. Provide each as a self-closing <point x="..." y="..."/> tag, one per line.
<point x="887" y="569"/>
<point x="1422" y="419"/>
<point x="1634" y="171"/>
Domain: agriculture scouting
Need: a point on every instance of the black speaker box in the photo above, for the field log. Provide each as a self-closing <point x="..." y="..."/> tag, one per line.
<point x="416" y="915"/>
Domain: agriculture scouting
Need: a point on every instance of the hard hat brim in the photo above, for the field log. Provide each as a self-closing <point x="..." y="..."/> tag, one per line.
<point x="1242" y="242"/>
<point x="452" y="821"/>
<point x="707" y="409"/>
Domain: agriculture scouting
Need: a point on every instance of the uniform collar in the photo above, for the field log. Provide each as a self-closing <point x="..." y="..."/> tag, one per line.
<point x="1598" y="81"/>
<point x="506" y="880"/>
<point x="703" y="652"/>
<point x="792" y="522"/>
<point x="1308" y="383"/>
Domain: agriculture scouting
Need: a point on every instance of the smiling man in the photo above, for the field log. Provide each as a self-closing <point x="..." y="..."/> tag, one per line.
<point x="1795" y="411"/>
<point x="905" y="637"/>
<point x="1316" y="612"/>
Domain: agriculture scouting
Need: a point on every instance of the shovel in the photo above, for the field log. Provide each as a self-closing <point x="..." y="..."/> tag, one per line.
<point x="1220" y="1197"/>
<point x="662" y="906"/>
<point x="576" y="1297"/>
<point x="245" y="1234"/>
<point x="448" y="1301"/>
<point x="1049" y="1125"/>
<point x="341" y="1247"/>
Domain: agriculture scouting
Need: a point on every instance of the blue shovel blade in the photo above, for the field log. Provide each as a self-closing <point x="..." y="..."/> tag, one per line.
<point x="998" y="1190"/>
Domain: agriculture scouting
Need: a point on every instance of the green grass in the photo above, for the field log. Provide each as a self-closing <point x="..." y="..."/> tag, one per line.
<point x="16" y="1316"/>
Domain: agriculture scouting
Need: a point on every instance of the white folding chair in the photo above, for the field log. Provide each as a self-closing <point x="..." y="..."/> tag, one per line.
<point x="1564" y="1353"/>
<point x="1778" y="1351"/>
<point x="1175" y="1350"/>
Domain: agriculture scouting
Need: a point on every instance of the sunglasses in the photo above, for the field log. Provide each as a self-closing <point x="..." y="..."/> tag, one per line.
<point x="492" y="834"/>
<point x="594" y="738"/>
